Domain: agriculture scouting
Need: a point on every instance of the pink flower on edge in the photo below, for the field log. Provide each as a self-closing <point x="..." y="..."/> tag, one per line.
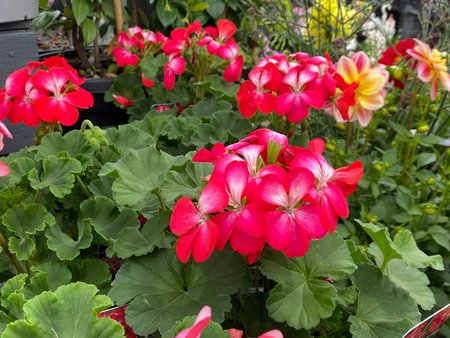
<point x="201" y="322"/>
<point x="4" y="170"/>
<point x="198" y="233"/>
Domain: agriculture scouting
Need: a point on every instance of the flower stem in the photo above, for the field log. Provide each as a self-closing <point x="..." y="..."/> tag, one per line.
<point x="83" y="187"/>
<point x="12" y="257"/>
<point x="348" y="139"/>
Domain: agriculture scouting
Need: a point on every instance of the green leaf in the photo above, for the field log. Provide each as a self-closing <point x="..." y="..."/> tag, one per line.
<point x="45" y="19"/>
<point x="24" y="220"/>
<point x="162" y="290"/>
<point x="215" y="8"/>
<point x="199" y="6"/>
<point x="106" y="219"/>
<point x="58" y="175"/>
<point x="383" y="311"/>
<point x="380" y="236"/>
<point x="403" y="246"/>
<point x="140" y="172"/>
<point x="135" y="242"/>
<point x="440" y="235"/>
<point x="128" y="85"/>
<point x="91" y="271"/>
<point x="404" y="198"/>
<point x="217" y="84"/>
<point x="413" y="281"/>
<point x="80" y="9"/>
<point x="166" y="15"/>
<point x="410" y="279"/>
<point x="22" y="247"/>
<point x="89" y="31"/>
<point x="406" y="246"/>
<point x="70" y="311"/>
<point x="302" y="296"/>
<point x="65" y="246"/>
<point x="20" y="167"/>
<point x="48" y="277"/>
<point x="27" y="219"/>
<point x="176" y="184"/>
<point x="151" y="65"/>
<point x="12" y="297"/>
<point x="128" y="137"/>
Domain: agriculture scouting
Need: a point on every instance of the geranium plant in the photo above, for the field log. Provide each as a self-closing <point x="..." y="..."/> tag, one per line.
<point x="221" y="221"/>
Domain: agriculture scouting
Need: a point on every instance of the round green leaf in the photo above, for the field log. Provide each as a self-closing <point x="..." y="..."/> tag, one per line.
<point x="58" y="175"/>
<point x="383" y="311"/>
<point x="303" y="297"/>
<point x="65" y="246"/>
<point x="27" y="219"/>
<point x="70" y="311"/>
<point x="162" y="290"/>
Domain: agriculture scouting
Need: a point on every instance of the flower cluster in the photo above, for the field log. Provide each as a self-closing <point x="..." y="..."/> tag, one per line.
<point x="118" y="314"/>
<point x="44" y="91"/>
<point x="263" y="190"/>
<point x="349" y="90"/>
<point x="192" y="49"/>
<point x="136" y="43"/>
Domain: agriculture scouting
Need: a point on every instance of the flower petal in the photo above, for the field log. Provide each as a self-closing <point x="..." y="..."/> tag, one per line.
<point x="279" y="231"/>
<point x="205" y="241"/>
<point x="184" y="216"/>
<point x="213" y="198"/>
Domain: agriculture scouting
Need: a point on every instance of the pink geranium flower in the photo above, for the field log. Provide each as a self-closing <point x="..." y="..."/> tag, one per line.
<point x="293" y="222"/>
<point x="124" y="54"/>
<point x="298" y="94"/>
<point x="198" y="233"/>
<point x="23" y="108"/>
<point x="174" y="66"/>
<point x="243" y="225"/>
<point x="254" y="94"/>
<point x="62" y="105"/>
<point x="331" y="186"/>
<point x="230" y="52"/>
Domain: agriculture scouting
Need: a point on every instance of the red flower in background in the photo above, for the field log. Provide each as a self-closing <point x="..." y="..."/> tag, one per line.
<point x="394" y="54"/>
<point x="118" y="314"/>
